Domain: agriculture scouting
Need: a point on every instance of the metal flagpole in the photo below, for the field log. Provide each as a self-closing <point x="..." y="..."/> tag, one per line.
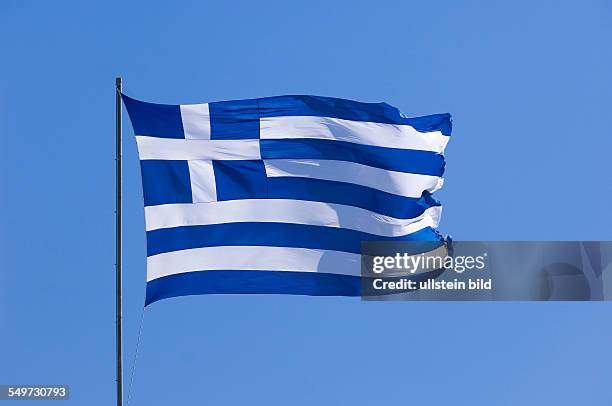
<point x="118" y="152"/>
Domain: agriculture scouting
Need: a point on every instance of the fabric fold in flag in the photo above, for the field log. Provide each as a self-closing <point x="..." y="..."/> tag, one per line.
<point x="275" y="195"/>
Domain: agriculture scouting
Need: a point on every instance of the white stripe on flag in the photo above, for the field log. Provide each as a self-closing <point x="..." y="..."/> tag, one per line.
<point x="359" y="132"/>
<point x="287" y="211"/>
<point x="202" y="178"/>
<point x="196" y="121"/>
<point x="252" y="258"/>
<point x="188" y="149"/>
<point x="399" y="183"/>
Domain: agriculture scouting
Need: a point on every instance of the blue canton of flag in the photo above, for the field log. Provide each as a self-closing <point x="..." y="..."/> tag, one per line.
<point x="275" y="195"/>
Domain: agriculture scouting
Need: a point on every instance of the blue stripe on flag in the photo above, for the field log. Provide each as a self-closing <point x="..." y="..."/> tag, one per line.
<point x="154" y="120"/>
<point x="349" y="194"/>
<point x="393" y="159"/>
<point x="270" y="235"/>
<point x="264" y="282"/>
<point x="254" y="282"/>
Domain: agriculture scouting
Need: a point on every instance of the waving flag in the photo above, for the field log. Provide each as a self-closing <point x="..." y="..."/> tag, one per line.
<point x="275" y="195"/>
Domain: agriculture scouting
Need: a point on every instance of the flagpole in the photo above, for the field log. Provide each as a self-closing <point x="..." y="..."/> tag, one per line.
<point x="118" y="226"/>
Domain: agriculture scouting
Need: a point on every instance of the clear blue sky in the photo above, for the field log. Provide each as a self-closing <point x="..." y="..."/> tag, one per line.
<point x="528" y="84"/>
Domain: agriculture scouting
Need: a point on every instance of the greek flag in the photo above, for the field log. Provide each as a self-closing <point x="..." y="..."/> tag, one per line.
<point x="276" y="194"/>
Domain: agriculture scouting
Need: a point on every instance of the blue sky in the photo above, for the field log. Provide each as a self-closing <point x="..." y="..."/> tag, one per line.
<point x="529" y="87"/>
